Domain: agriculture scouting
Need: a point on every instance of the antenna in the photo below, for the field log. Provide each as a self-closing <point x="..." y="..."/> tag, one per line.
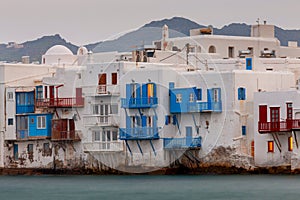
<point x="257" y="21"/>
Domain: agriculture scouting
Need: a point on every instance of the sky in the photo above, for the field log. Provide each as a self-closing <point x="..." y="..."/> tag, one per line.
<point x="87" y="21"/>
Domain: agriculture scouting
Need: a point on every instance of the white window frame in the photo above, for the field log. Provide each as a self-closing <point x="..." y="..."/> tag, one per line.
<point x="178" y="98"/>
<point x="41" y="122"/>
<point x="10" y="96"/>
<point x="191" y="97"/>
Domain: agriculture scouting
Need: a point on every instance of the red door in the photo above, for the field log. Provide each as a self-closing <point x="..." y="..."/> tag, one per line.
<point x="275" y="118"/>
<point x="102" y="83"/>
<point x="289" y="115"/>
<point x="51" y="90"/>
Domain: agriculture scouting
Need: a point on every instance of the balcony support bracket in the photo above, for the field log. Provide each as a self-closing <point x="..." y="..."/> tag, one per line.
<point x="152" y="146"/>
<point x="128" y="147"/>
<point x="139" y="146"/>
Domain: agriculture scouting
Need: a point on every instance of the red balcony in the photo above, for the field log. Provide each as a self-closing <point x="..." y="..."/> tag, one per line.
<point x="64" y="130"/>
<point x="60" y="102"/>
<point x="284" y="126"/>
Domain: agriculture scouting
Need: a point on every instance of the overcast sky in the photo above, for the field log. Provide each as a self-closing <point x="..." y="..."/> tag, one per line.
<point x="86" y="21"/>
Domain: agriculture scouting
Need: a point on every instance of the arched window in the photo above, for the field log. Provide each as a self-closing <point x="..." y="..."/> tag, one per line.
<point x="212" y="49"/>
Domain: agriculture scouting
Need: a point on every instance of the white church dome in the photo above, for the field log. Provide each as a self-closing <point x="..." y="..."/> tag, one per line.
<point x="59" y="50"/>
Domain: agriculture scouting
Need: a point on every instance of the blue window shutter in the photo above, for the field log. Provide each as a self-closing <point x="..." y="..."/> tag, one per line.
<point x="144" y="121"/>
<point x="138" y="90"/>
<point x="209" y="95"/>
<point x="128" y="91"/>
<point x="174" y="120"/>
<point x="144" y="90"/>
<point x="244" y="130"/>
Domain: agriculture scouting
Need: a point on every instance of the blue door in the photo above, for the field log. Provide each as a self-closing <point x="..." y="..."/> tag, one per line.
<point x="189" y="136"/>
<point x="16" y="152"/>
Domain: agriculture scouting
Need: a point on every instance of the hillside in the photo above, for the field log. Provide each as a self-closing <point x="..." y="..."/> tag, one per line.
<point x="178" y="27"/>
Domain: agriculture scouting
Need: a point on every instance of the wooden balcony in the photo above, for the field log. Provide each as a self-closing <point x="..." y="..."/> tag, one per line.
<point x="283" y="126"/>
<point x="60" y="102"/>
<point x="65" y="136"/>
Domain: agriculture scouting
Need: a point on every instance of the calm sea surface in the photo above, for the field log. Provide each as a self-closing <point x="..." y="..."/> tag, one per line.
<point x="149" y="187"/>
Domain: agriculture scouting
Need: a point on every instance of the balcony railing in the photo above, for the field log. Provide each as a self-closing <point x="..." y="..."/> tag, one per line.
<point x="205" y="107"/>
<point x="145" y="102"/>
<point x="114" y="146"/>
<point x="285" y="126"/>
<point x="65" y="136"/>
<point x="182" y="143"/>
<point x="60" y="102"/>
<point x="108" y="89"/>
<point x="100" y="120"/>
<point x="139" y="133"/>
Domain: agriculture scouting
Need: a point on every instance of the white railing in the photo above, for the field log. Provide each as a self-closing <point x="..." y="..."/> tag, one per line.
<point x="114" y="146"/>
<point x="100" y="120"/>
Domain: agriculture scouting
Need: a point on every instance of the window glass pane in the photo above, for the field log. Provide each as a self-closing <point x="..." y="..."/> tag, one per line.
<point x="115" y="135"/>
<point x="95" y="109"/>
<point x="103" y="135"/>
<point x="108" y="135"/>
<point x="97" y="135"/>
<point x="101" y="109"/>
<point x="106" y="110"/>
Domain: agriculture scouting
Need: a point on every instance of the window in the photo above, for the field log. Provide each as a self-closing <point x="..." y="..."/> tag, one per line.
<point x="96" y="136"/>
<point x="21" y="99"/>
<point x="216" y="95"/>
<point x="230" y="52"/>
<point x="101" y="109"/>
<point x="114" y="135"/>
<point x="22" y="123"/>
<point x="178" y="98"/>
<point x="290" y="145"/>
<point x="39" y="92"/>
<point x="244" y="130"/>
<point x="270" y="146"/>
<point x="41" y="122"/>
<point x="191" y="97"/>
<point x="248" y="63"/>
<point x="168" y="120"/>
<point x="242" y="93"/>
<point x="114" y="78"/>
<point x="199" y="94"/>
<point x="10" y="96"/>
<point x="212" y="49"/>
<point x="30" y="148"/>
<point x="10" y="122"/>
<point x="46" y="149"/>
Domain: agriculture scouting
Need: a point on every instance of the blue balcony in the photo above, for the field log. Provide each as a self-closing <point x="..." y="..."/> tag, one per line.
<point x="205" y="107"/>
<point x="25" y="109"/>
<point x="143" y="102"/>
<point x="139" y="133"/>
<point x="182" y="143"/>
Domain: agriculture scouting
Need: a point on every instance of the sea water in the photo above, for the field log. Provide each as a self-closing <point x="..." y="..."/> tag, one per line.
<point x="137" y="187"/>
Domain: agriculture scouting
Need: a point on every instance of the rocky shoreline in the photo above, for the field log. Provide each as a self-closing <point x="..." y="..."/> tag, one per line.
<point x="178" y="170"/>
